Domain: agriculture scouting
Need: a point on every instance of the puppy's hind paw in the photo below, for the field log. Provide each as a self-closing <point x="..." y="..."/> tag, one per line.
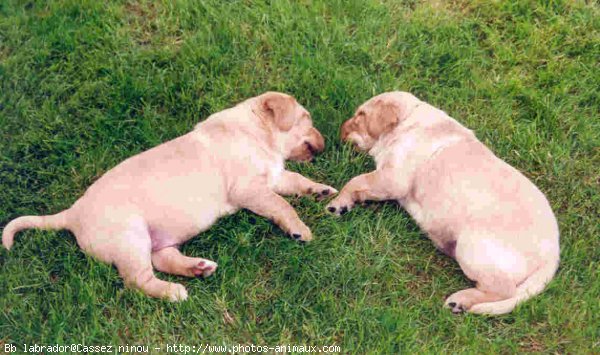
<point x="176" y="292"/>
<point x="204" y="268"/>
<point x="458" y="302"/>
<point x="456" y="308"/>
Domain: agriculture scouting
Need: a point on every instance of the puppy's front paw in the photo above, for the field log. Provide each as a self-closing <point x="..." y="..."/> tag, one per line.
<point x="301" y="233"/>
<point x="321" y="191"/>
<point x="339" y="206"/>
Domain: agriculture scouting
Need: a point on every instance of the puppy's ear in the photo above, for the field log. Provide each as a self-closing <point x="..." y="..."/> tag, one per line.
<point x="384" y="117"/>
<point x="279" y="109"/>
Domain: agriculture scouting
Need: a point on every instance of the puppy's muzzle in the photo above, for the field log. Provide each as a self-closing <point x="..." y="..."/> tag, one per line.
<point x="315" y="141"/>
<point x="347" y="128"/>
<point x="313" y="144"/>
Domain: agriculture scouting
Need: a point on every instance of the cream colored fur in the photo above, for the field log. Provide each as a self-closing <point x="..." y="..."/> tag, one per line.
<point x="475" y="207"/>
<point x="137" y="214"/>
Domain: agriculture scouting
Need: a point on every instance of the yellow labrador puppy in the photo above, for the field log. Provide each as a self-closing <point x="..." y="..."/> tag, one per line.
<point x="138" y="213"/>
<point x="475" y="207"/>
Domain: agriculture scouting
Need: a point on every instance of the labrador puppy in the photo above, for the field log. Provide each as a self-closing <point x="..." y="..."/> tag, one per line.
<point x="137" y="214"/>
<point x="475" y="207"/>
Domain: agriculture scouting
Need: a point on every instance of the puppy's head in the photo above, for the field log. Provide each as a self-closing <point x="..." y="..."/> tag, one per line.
<point x="292" y="125"/>
<point x="377" y="117"/>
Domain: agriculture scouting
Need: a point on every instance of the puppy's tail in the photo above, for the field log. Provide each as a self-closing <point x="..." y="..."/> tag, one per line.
<point x="56" y="221"/>
<point x="533" y="285"/>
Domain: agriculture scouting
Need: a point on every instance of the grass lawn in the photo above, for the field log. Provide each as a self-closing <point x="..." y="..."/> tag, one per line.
<point x="84" y="84"/>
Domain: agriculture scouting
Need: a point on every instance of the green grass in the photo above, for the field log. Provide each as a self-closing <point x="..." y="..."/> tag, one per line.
<point x="83" y="85"/>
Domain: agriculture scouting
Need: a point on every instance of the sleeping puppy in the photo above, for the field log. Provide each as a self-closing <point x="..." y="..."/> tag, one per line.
<point x="137" y="214"/>
<point x="475" y="207"/>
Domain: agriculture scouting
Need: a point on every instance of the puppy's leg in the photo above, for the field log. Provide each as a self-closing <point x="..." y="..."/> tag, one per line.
<point x="171" y="261"/>
<point x="371" y="186"/>
<point x="495" y="269"/>
<point x="291" y="183"/>
<point x="132" y="257"/>
<point x="267" y="203"/>
<point x="490" y="290"/>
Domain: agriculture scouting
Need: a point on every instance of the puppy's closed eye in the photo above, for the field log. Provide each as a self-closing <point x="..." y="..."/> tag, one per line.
<point x="310" y="148"/>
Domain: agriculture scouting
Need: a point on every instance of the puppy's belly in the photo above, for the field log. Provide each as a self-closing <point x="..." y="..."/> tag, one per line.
<point x="444" y="240"/>
<point x="162" y="239"/>
<point x="176" y="228"/>
<point x="413" y="208"/>
<point x="424" y="218"/>
<point x="440" y="234"/>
